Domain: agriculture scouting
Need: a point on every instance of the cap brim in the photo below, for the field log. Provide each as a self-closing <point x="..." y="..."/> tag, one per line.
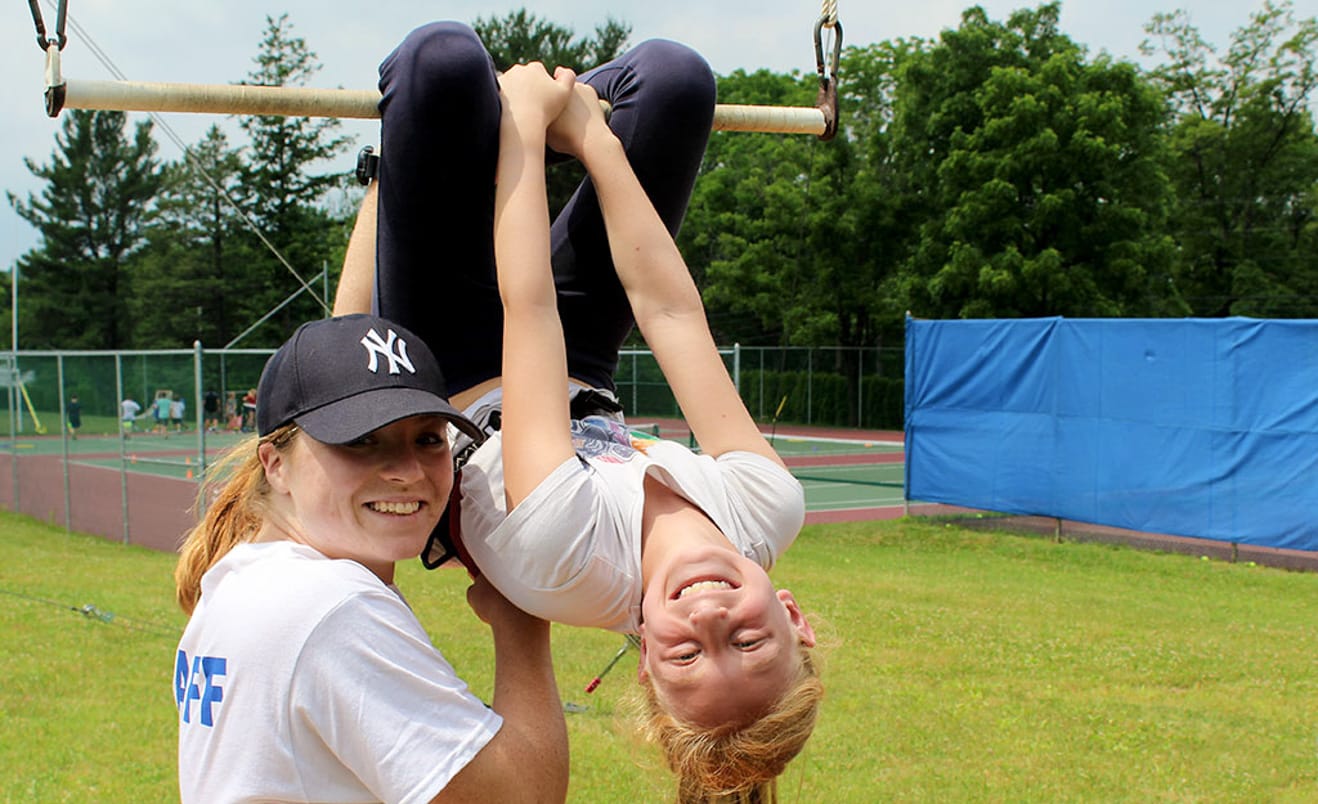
<point x="349" y="419"/>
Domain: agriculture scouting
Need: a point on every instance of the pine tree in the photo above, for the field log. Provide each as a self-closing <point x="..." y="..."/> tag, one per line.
<point x="284" y="196"/>
<point x="92" y="217"/>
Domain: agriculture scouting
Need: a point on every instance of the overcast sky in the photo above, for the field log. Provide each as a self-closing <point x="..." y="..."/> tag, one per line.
<point x="214" y="42"/>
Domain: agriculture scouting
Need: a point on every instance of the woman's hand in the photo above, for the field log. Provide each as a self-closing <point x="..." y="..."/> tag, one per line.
<point x="580" y="125"/>
<point x="493" y="608"/>
<point x="532" y="99"/>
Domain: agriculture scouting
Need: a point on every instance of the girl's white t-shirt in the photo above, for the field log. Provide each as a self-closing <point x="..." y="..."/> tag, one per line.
<point x="571" y="551"/>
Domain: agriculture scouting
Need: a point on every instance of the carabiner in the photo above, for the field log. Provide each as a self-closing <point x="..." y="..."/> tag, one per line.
<point x="819" y="49"/>
<point x="61" y="13"/>
<point x="826" y="100"/>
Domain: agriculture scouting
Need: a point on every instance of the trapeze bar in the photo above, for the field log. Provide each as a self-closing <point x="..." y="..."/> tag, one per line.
<point x="135" y="96"/>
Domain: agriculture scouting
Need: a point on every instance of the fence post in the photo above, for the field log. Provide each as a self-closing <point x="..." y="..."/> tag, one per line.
<point x="860" y="386"/>
<point x="199" y="405"/>
<point x="64" y="441"/>
<point x="123" y="453"/>
<point x="736" y="367"/>
<point x="809" y="385"/>
<point x="13" y="431"/>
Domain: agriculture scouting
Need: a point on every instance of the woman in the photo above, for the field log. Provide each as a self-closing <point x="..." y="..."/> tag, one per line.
<point x="560" y="510"/>
<point x="302" y="674"/>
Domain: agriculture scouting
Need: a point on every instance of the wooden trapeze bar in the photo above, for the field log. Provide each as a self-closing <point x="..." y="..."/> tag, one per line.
<point x="133" y="96"/>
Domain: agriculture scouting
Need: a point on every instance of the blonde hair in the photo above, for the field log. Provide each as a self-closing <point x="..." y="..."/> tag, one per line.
<point x="739" y="765"/>
<point x="238" y="490"/>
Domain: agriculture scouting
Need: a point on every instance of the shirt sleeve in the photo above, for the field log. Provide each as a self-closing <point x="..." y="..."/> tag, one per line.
<point x="563" y="555"/>
<point x="371" y="687"/>
<point x="757" y="504"/>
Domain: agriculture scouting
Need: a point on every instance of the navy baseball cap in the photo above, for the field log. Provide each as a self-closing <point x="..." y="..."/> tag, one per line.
<point x="341" y="378"/>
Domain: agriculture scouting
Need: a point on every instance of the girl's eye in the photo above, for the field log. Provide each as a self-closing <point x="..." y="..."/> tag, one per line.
<point x="747" y="643"/>
<point x="686" y="656"/>
<point x="432" y="440"/>
<point x="365" y="441"/>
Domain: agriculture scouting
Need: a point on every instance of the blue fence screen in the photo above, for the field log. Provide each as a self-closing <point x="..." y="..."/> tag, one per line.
<point x="1193" y="427"/>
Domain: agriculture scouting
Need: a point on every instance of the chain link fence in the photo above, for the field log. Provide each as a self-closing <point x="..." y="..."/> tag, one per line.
<point x="78" y="454"/>
<point x="855" y="387"/>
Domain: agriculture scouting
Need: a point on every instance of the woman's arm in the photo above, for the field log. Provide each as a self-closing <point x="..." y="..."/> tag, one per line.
<point x="357" y="281"/>
<point x="663" y="296"/>
<point x="536" y="417"/>
<point x="527" y="761"/>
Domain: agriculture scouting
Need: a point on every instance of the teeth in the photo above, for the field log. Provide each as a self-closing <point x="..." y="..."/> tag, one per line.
<point x="700" y="586"/>
<point x="395" y="507"/>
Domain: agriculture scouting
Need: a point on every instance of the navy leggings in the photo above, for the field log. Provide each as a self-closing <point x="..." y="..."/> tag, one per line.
<point x="435" y="271"/>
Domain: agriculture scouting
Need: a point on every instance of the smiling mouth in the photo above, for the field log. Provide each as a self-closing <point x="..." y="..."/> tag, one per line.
<point x="701" y="586"/>
<point x="395" y="508"/>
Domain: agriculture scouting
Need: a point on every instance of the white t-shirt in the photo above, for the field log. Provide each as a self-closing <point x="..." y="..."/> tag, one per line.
<point x="130" y="409"/>
<point x="571" y="551"/>
<point x="302" y="678"/>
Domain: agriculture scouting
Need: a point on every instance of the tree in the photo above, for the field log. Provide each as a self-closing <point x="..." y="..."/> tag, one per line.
<point x="793" y="240"/>
<point x="1244" y="160"/>
<point x="195" y="248"/>
<point x="91" y="215"/>
<point x="521" y="37"/>
<point x="283" y="196"/>
<point x="1041" y="174"/>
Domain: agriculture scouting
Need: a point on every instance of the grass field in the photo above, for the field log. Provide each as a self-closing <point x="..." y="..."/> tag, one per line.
<point x="962" y="666"/>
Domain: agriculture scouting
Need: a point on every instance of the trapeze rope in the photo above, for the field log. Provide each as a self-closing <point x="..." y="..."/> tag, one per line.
<point x="55" y="44"/>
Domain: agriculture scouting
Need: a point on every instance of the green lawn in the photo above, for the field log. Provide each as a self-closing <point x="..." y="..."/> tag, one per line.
<point x="961" y="666"/>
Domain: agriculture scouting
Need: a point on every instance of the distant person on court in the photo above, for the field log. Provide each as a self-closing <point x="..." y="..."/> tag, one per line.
<point x="177" y="408"/>
<point x="160" y="409"/>
<point x="73" y="415"/>
<point x="249" y="410"/>
<point x="211" y="411"/>
<point x="128" y="410"/>
<point x="569" y="515"/>
<point x="302" y="674"/>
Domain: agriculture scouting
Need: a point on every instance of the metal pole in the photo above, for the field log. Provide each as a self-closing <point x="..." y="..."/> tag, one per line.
<point x="809" y="385"/>
<point x="13" y="431"/>
<point x="860" y="386"/>
<point x="13" y="292"/>
<point x="762" y="351"/>
<point x="64" y="439"/>
<point x="12" y="396"/>
<point x="200" y="406"/>
<point x="736" y="367"/>
<point x="13" y="341"/>
<point x="123" y="452"/>
<point x="287" y="301"/>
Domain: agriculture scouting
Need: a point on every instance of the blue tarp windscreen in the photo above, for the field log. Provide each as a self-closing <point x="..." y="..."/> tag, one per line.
<point x="1194" y="427"/>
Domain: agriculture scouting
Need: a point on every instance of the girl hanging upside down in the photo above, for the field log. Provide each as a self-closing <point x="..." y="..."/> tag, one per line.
<point x="569" y="516"/>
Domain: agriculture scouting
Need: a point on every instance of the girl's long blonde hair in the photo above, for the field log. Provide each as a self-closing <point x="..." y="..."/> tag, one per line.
<point x="737" y="765"/>
<point x="237" y="491"/>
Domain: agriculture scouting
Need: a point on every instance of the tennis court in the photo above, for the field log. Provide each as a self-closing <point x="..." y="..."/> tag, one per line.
<point x="152" y="478"/>
<point x="176" y="455"/>
<point x="848" y="475"/>
<point x="844" y="474"/>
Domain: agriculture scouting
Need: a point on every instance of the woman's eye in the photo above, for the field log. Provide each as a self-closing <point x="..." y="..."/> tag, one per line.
<point x="432" y="440"/>
<point x="747" y="644"/>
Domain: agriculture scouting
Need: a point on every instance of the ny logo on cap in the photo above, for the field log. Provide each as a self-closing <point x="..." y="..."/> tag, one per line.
<point x="377" y="346"/>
